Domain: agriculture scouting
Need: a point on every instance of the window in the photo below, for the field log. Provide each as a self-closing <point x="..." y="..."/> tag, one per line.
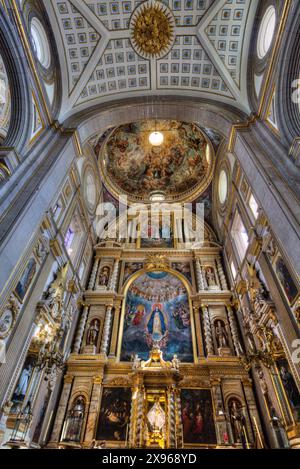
<point x="254" y="207"/>
<point x="266" y="32"/>
<point x="223" y="187"/>
<point x="240" y="236"/>
<point x="69" y="240"/>
<point x="40" y="42"/>
<point x="233" y="270"/>
<point x="74" y="237"/>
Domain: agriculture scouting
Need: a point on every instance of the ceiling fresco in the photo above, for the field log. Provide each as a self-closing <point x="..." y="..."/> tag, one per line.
<point x="102" y="59"/>
<point x="182" y="165"/>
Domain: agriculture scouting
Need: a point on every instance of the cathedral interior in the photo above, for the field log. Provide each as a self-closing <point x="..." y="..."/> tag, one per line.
<point x="150" y="220"/>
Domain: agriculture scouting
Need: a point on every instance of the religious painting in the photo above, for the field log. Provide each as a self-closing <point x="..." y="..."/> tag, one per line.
<point x="183" y="268"/>
<point x="286" y="280"/>
<point x="215" y="138"/>
<point x="131" y="268"/>
<point x="114" y="416"/>
<point x="291" y="390"/>
<point x="138" y="168"/>
<point x="26" y="279"/>
<point x="7" y="319"/>
<point x="157" y="311"/>
<point x="158" y="235"/>
<point x="197" y="417"/>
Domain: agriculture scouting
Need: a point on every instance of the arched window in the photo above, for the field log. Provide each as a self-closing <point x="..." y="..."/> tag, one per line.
<point x="266" y="32"/>
<point x="40" y="42"/>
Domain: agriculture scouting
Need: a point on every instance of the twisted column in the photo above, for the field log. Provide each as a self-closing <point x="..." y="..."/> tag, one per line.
<point x="139" y="419"/>
<point x="221" y="275"/>
<point x="93" y="276"/>
<point x="106" y="331"/>
<point x="207" y="332"/>
<point x="179" y="427"/>
<point x="114" y="277"/>
<point x="172" y="419"/>
<point x="80" y="330"/>
<point x="234" y="331"/>
<point x="200" y="280"/>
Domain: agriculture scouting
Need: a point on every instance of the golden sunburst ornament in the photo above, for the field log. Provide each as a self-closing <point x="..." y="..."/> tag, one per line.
<point x="152" y="29"/>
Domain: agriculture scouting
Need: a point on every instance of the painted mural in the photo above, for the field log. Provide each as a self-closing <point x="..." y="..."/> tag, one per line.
<point x="131" y="268"/>
<point x="286" y="280"/>
<point x="26" y="279"/>
<point x="157" y="310"/>
<point x="183" y="268"/>
<point x="114" y="414"/>
<point x="138" y="168"/>
<point x="157" y="235"/>
<point x="197" y="417"/>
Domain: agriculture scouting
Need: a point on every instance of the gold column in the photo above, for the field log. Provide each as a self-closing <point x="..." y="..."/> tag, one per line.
<point x="93" y="411"/>
<point x="196" y="308"/>
<point x="114" y="337"/>
<point x="61" y="411"/>
<point x="172" y="437"/>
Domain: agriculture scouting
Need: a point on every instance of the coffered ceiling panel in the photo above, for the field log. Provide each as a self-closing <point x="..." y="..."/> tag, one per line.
<point x="100" y="62"/>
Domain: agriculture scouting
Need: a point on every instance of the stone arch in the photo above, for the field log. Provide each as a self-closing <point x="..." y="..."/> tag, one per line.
<point x="21" y="103"/>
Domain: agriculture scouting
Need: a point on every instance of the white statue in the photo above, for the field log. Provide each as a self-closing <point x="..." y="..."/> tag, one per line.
<point x="23" y="382"/>
<point x="156" y="416"/>
<point x="175" y="362"/>
<point x="136" y="362"/>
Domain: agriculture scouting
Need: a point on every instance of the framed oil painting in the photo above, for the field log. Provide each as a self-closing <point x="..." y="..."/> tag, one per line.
<point x="286" y="280"/>
<point x="158" y="236"/>
<point x="114" y="414"/>
<point x="26" y="279"/>
<point x="157" y="310"/>
<point x="198" y="417"/>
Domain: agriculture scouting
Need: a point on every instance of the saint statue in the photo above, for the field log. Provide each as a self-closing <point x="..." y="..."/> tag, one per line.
<point x="93" y="333"/>
<point x="237" y="420"/>
<point x="156" y="417"/>
<point x="156" y="325"/>
<point x="265" y="389"/>
<point x="221" y="335"/>
<point x="23" y="383"/>
<point x="210" y="277"/>
<point x="75" y="420"/>
<point x="175" y="362"/>
<point x="289" y="386"/>
<point x="104" y="276"/>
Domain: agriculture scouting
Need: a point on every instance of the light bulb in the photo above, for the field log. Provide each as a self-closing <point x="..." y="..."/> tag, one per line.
<point x="156" y="139"/>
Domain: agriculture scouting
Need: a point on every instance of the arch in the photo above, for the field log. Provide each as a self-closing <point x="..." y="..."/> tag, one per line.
<point x="21" y="102"/>
<point x="189" y="292"/>
<point x="94" y="122"/>
<point x="288" y="114"/>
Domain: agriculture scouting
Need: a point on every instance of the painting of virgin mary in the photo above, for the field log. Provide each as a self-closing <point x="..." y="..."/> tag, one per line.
<point x="157" y="310"/>
<point x="156" y="325"/>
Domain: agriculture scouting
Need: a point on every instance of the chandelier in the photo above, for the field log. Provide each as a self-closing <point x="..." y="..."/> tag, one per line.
<point x="50" y="356"/>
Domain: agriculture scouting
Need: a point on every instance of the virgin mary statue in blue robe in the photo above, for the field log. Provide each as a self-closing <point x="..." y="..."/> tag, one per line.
<point x="156" y="325"/>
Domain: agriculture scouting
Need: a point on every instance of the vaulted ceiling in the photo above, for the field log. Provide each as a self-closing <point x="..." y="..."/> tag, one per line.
<point x="208" y="59"/>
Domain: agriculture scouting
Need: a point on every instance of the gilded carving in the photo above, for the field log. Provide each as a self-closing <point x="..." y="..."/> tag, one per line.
<point x="152" y="29"/>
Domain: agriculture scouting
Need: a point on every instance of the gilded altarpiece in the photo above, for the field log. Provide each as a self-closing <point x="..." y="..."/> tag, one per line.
<point x="157" y="353"/>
